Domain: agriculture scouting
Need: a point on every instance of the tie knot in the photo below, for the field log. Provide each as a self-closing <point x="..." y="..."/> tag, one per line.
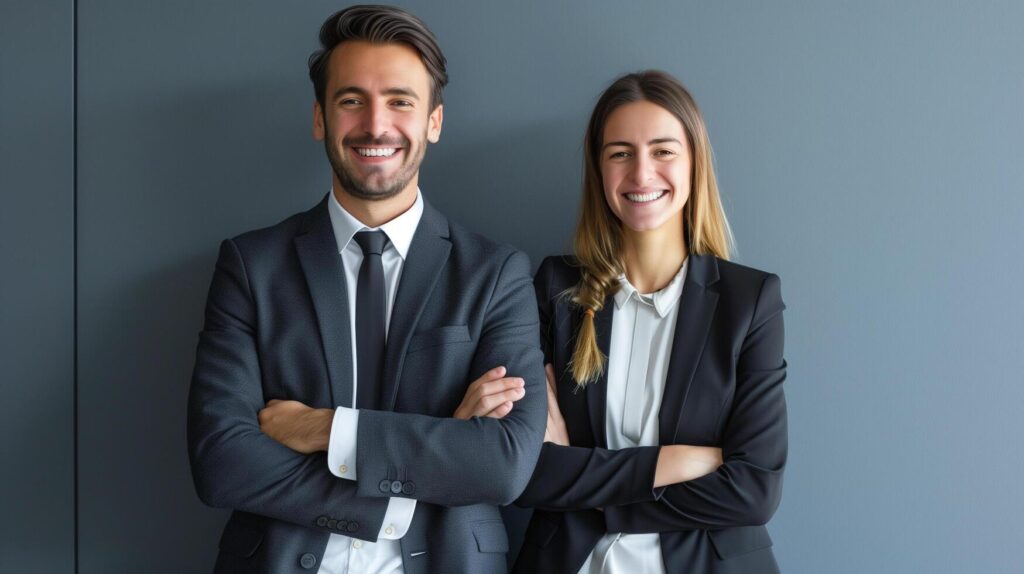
<point x="372" y="242"/>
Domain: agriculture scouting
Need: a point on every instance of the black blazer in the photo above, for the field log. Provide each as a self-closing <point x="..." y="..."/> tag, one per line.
<point x="277" y="326"/>
<point x="723" y="388"/>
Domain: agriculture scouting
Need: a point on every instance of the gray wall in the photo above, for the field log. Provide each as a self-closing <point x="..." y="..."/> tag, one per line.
<point x="868" y="153"/>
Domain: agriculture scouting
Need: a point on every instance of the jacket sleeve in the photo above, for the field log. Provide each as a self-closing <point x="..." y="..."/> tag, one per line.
<point x="579" y="478"/>
<point x="454" y="462"/>
<point x="235" y="465"/>
<point x="747" y="488"/>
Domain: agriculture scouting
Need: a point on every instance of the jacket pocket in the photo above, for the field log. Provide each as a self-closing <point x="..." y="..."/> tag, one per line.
<point x="729" y="542"/>
<point x="490" y="536"/>
<point x="242" y="536"/>
<point x="439" y="336"/>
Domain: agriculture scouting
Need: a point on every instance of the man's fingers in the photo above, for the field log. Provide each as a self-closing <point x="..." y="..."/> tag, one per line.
<point x="500" y="385"/>
<point x="501" y="410"/>
<point x="490" y="402"/>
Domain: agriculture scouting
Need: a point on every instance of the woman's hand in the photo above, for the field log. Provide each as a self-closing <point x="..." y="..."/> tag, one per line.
<point x="555" y="431"/>
<point x="491" y="395"/>
<point x="683" y="462"/>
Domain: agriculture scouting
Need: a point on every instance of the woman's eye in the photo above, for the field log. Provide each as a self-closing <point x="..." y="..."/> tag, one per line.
<point x="619" y="155"/>
<point x="664" y="153"/>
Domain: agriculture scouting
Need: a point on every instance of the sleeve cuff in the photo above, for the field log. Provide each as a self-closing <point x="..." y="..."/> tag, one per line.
<point x="397" y="518"/>
<point x="341" y="448"/>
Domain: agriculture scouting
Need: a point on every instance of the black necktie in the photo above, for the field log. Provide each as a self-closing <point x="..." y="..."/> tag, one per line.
<point x="370" y="313"/>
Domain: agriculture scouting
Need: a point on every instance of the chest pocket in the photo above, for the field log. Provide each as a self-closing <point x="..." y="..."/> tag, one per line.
<point x="438" y="337"/>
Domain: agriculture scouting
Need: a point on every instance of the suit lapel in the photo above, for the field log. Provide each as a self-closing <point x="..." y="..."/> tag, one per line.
<point x="597" y="392"/>
<point x="427" y="256"/>
<point x="696" y="310"/>
<point x="321" y="263"/>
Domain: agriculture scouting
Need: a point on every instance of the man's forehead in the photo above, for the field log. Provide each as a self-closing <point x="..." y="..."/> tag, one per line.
<point x="356" y="62"/>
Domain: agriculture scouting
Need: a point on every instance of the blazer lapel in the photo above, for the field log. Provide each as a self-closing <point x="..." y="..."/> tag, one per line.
<point x="321" y="263"/>
<point x="423" y="264"/>
<point x="696" y="310"/>
<point x="597" y="392"/>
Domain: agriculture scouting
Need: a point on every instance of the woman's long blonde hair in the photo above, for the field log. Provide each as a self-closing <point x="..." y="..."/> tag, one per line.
<point x="598" y="238"/>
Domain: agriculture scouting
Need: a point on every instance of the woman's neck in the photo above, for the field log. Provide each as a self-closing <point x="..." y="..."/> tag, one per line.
<point x="653" y="258"/>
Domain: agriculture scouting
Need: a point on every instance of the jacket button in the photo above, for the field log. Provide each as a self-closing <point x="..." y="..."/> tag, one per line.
<point x="396" y="487"/>
<point x="322" y="521"/>
<point x="408" y="487"/>
<point x="332" y="524"/>
<point x="385" y="485"/>
<point x="353" y="526"/>
<point x="307" y="561"/>
<point x="342" y="524"/>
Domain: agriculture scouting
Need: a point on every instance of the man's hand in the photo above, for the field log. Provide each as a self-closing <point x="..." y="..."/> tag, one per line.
<point x="296" y="426"/>
<point x="491" y="395"/>
<point x="555" y="431"/>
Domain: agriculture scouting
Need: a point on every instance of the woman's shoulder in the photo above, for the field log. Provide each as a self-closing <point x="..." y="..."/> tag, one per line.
<point x="737" y="273"/>
<point x="742" y="282"/>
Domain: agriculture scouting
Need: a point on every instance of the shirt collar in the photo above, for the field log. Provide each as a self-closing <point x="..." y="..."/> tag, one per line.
<point x="663" y="300"/>
<point x="399" y="230"/>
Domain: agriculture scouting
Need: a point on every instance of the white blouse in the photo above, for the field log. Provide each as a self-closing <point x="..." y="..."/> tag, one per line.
<point x="643" y="327"/>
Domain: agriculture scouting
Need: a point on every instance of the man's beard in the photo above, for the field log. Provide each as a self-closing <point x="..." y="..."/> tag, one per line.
<point x="347" y="174"/>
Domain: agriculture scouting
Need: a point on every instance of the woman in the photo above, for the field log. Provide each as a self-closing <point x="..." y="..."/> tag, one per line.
<point x="660" y="352"/>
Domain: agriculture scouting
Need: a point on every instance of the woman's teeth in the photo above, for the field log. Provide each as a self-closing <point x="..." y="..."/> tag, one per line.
<point x="645" y="197"/>
<point x="376" y="152"/>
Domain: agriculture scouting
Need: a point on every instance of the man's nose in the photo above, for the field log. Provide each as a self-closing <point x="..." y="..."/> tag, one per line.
<point x="376" y="121"/>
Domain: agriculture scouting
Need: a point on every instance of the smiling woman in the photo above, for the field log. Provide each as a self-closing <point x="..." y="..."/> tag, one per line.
<point x="671" y="457"/>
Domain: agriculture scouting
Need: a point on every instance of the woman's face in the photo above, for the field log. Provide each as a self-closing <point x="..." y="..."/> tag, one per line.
<point x="645" y="166"/>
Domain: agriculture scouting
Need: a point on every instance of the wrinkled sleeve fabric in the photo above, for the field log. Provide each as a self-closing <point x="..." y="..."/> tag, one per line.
<point x="234" y="465"/>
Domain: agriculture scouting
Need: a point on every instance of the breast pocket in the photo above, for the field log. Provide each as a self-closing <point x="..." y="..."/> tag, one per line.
<point x="440" y="336"/>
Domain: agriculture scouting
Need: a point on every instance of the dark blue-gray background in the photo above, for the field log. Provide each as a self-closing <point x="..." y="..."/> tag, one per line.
<point x="868" y="153"/>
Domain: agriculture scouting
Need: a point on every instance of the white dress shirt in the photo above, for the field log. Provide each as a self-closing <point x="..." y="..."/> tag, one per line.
<point x="345" y="555"/>
<point x="643" y="327"/>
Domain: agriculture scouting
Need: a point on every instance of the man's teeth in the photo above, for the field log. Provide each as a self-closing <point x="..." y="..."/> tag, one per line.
<point x="376" y="152"/>
<point x="645" y="197"/>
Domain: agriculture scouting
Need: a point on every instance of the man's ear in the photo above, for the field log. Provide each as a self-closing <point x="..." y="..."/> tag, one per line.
<point x="319" y="130"/>
<point x="434" y="124"/>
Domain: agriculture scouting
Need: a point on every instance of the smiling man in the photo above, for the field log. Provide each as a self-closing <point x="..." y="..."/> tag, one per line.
<point x="329" y="405"/>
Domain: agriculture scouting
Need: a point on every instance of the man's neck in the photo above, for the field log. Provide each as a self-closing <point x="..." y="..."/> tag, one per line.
<point x="376" y="213"/>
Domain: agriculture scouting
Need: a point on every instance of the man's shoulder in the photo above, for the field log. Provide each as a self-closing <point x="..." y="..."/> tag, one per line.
<point x="472" y="246"/>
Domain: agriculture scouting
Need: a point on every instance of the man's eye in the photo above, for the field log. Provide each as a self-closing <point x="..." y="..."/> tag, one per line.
<point x="402" y="103"/>
<point x="350" y="102"/>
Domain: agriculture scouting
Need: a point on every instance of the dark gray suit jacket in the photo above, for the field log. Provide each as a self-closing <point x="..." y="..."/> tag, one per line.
<point x="277" y="327"/>
<point x="723" y="388"/>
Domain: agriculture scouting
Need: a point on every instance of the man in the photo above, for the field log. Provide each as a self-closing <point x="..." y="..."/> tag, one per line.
<point x="329" y="405"/>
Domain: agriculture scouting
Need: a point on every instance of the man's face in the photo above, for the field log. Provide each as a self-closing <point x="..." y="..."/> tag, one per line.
<point x="376" y="118"/>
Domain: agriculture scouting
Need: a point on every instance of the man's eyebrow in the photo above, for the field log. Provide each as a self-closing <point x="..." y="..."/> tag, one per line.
<point x="655" y="141"/>
<point x="396" y="91"/>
